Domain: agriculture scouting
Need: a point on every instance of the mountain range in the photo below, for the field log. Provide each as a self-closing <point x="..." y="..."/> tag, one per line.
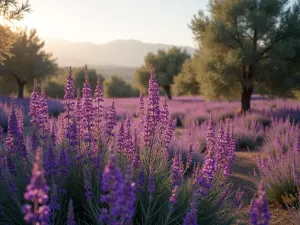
<point x="117" y="53"/>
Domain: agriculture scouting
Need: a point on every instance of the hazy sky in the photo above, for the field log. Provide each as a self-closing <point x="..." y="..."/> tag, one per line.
<point x="101" y="21"/>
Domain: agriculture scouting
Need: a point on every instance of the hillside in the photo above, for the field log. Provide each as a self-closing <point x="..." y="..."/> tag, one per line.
<point x="120" y="53"/>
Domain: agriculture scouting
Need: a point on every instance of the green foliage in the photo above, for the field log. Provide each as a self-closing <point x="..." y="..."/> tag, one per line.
<point x="29" y="61"/>
<point x="185" y="83"/>
<point x="247" y="44"/>
<point x="10" y="10"/>
<point x="167" y="64"/>
<point x="55" y="90"/>
<point x="116" y="87"/>
<point x="79" y="77"/>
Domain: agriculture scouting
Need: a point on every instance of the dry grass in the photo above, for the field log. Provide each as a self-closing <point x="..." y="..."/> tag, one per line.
<point x="242" y="177"/>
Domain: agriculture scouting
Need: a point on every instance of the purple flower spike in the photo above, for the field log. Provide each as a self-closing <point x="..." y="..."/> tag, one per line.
<point x="120" y="138"/>
<point x="260" y="214"/>
<point x="141" y="181"/>
<point x="98" y="102"/>
<point x="34" y="104"/>
<point x="177" y="172"/>
<point x="15" y="138"/>
<point x="69" y="97"/>
<point x="43" y="116"/>
<point x="190" y="156"/>
<point x="54" y="203"/>
<point x="129" y="197"/>
<point x="174" y="195"/>
<point x="191" y="216"/>
<point x="51" y="165"/>
<point x="112" y="188"/>
<point x="37" y="192"/>
<point x="111" y="120"/>
<point x="87" y="109"/>
<point x="1" y="134"/>
<point x="87" y="187"/>
<point x="71" y="219"/>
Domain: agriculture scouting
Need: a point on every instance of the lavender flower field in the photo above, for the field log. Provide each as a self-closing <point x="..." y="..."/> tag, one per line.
<point x="148" y="161"/>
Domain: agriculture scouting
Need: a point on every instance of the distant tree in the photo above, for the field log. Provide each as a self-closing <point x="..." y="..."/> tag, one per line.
<point x="116" y="87"/>
<point x="10" y="10"/>
<point x="29" y="60"/>
<point x="167" y="65"/>
<point x="79" y="77"/>
<point x="55" y="90"/>
<point x="247" y="44"/>
<point x="185" y="83"/>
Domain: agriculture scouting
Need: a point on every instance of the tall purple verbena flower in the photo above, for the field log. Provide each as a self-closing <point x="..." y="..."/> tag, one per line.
<point x="15" y="138"/>
<point x="72" y="133"/>
<point x="54" y="203"/>
<point x="141" y="181"/>
<point x="177" y="171"/>
<point x="70" y="218"/>
<point x="87" y="109"/>
<point x="34" y="104"/>
<point x="153" y="112"/>
<point x="128" y="206"/>
<point x="112" y="187"/>
<point x="87" y="187"/>
<point x="34" y="140"/>
<point x="190" y="156"/>
<point x="43" y="114"/>
<point x="129" y="148"/>
<point x="207" y="172"/>
<point x="191" y="216"/>
<point x="121" y="137"/>
<point x="69" y="98"/>
<point x="37" y="192"/>
<point x="136" y="158"/>
<point x="260" y="214"/>
<point x="21" y="120"/>
<point x="78" y="113"/>
<point x="174" y="195"/>
<point x="64" y="164"/>
<point x="111" y="120"/>
<point x="1" y="134"/>
<point x="51" y="164"/>
<point x="98" y="102"/>
<point x="210" y="135"/>
<point x="167" y="134"/>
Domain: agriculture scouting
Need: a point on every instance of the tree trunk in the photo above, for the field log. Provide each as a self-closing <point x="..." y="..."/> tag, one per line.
<point x="21" y="86"/>
<point x="246" y="98"/>
<point x="167" y="89"/>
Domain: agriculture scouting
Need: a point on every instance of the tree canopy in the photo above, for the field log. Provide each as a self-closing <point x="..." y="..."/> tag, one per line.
<point x="29" y="61"/>
<point x="247" y="44"/>
<point x="79" y="77"/>
<point x="116" y="87"/>
<point x="167" y="64"/>
<point x="185" y="83"/>
<point x="10" y="10"/>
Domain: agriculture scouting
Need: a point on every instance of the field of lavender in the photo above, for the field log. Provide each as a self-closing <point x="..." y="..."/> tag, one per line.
<point x="90" y="160"/>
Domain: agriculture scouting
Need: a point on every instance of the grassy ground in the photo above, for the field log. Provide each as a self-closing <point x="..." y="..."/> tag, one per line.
<point x="241" y="177"/>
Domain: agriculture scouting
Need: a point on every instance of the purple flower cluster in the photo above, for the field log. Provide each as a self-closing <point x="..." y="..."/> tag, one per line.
<point x="111" y="120"/>
<point x="259" y="212"/>
<point x="191" y="216"/>
<point x="118" y="193"/>
<point x="177" y="170"/>
<point x="87" y="109"/>
<point x="37" y="192"/>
